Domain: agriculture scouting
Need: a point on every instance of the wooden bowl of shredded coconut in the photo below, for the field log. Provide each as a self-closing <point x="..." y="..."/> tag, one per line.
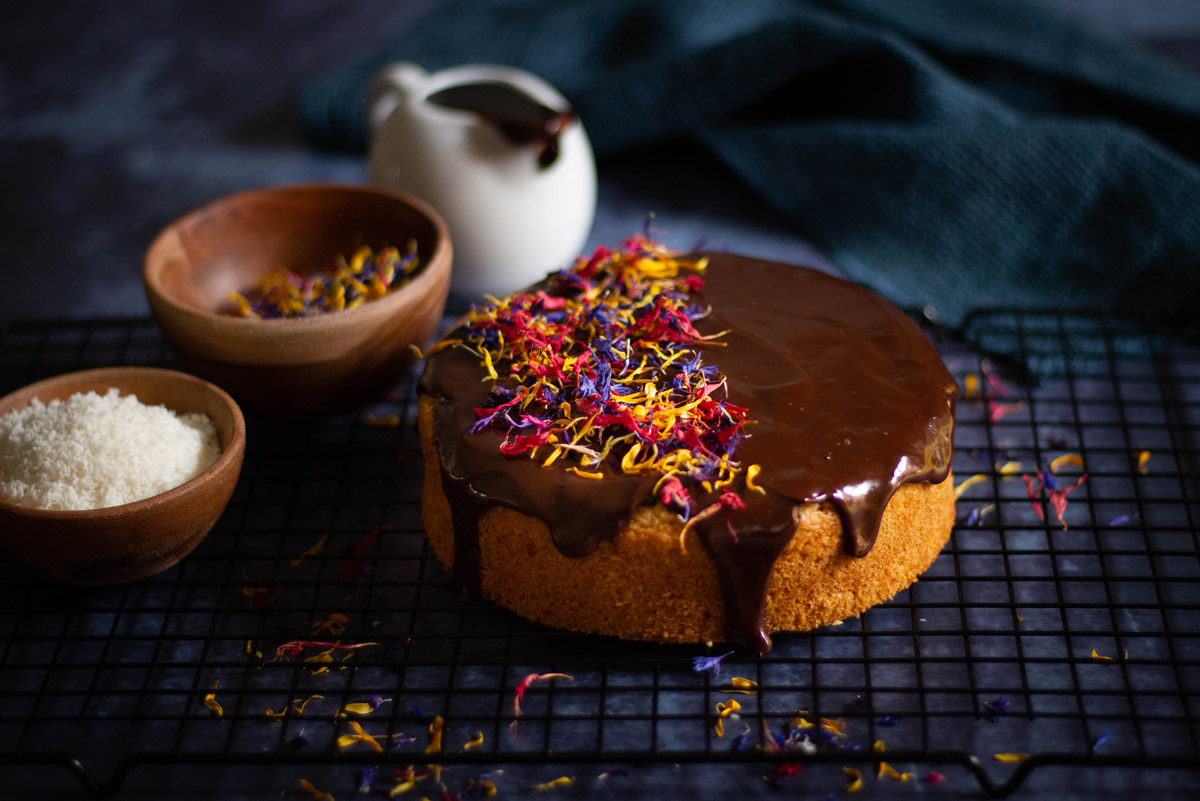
<point x="115" y="474"/>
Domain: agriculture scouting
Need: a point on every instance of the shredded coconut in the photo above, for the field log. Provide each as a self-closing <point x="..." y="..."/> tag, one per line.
<point x="92" y="451"/>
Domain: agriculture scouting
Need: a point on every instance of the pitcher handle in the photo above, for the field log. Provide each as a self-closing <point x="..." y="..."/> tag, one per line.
<point x="389" y="88"/>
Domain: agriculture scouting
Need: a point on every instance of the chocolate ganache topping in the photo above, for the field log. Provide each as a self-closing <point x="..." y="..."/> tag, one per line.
<point x="845" y="401"/>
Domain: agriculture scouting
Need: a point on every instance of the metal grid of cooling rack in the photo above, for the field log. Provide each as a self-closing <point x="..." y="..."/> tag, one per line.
<point x="1088" y="631"/>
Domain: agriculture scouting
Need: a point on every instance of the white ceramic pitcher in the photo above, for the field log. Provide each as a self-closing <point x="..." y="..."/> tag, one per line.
<point x="512" y="217"/>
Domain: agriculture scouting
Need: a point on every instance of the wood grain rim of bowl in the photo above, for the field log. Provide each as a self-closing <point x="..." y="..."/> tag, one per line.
<point x="123" y="543"/>
<point x="255" y="339"/>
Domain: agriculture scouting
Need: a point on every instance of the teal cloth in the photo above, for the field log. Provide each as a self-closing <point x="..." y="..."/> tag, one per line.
<point x="949" y="154"/>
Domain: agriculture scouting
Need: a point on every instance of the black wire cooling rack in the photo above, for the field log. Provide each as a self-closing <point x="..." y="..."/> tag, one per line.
<point x="1073" y="644"/>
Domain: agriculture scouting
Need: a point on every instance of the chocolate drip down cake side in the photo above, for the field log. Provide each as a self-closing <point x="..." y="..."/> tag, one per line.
<point x="686" y="449"/>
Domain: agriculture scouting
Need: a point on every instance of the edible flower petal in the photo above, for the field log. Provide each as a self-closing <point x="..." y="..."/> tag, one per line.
<point x="710" y="664"/>
<point x="210" y="701"/>
<point x="313" y="792"/>
<point x="553" y="784"/>
<point x="527" y="682"/>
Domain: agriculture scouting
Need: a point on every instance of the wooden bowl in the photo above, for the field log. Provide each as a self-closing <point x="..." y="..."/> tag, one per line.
<point x="296" y="367"/>
<point x="134" y="540"/>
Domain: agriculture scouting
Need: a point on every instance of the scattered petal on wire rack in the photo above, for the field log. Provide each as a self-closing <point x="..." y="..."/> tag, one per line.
<point x="314" y="551"/>
<point x="313" y="792"/>
<point x="364" y="780"/>
<point x="977" y="514"/>
<point x="527" y="682"/>
<point x="210" y="701"/>
<point x="295" y="649"/>
<point x="998" y="411"/>
<point x="783" y="770"/>
<point x="296" y="706"/>
<point x="1099" y="741"/>
<point x="436" y="729"/>
<point x="1057" y="495"/>
<point x="362" y="708"/>
<point x="382" y="420"/>
<point x="741" y="686"/>
<point x="725" y="710"/>
<point x="887" y="771"/>
<point x="855" y="784"/>
<point x="996" y="708"/>
<point x="335" y="623"/>
<point x="554" y="784"/>
<point x="709" y="664"/>
<point x="967" y="483"/>
<point x="1059" y="462"/>
<point x="478" y="788"/>
<point x="933" y="777"/>
<point x="1143" y="458"/>
<point x="358" y="735"/>
<point x="1009" y="468"/>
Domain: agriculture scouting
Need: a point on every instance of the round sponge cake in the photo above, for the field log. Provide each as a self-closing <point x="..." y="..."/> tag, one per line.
<point x="820" y="488"/>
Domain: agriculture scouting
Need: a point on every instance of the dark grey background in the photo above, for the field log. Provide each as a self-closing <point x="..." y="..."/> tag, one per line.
<point x="116" y="118"/>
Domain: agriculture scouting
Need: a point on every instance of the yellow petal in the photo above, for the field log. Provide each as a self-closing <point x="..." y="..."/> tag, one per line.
<point x="561" y="781"/>
<point x="968" y="483"/>
<point x="308" y="787"/>
<point x="1066" y="458"/>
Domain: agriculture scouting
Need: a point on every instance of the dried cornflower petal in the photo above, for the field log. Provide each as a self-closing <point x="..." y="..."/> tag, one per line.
<point x="996" y="708"/>
<point x="364" y="780"/>
<point x="712" y="664"/>
<point x="1099" y="741"/>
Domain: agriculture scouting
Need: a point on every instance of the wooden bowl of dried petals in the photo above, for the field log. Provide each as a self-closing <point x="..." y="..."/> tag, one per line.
<point x="301" y="301"/>
<point x="115" y="474"/>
